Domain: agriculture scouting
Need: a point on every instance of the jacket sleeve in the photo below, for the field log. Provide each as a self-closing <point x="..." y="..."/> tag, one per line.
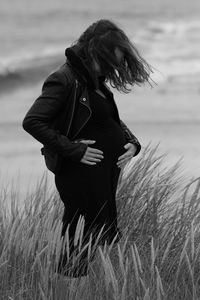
<point x="130" y="138"/>
<point x="44" y="110"/>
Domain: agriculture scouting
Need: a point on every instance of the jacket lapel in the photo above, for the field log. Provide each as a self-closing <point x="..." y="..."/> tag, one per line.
<point x="82" y="114"/>
<point x="86" y="81"/>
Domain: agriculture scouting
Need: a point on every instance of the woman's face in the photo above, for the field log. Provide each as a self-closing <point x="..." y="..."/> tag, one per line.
<point x="119" y="55"/>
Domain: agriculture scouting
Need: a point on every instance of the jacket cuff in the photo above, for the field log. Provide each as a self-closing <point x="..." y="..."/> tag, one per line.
<point x="135" y="142"/>
<point x="78" y="151"/>
<point x="130" y="137"/>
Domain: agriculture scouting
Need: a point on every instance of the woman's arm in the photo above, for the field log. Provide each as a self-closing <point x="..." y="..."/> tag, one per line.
<point x="130" y="138"/>
<point x="44" y="110"/>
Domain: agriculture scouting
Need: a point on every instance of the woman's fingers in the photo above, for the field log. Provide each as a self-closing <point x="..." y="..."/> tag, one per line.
<point x="92" y="156"/>
<point x="94" y="151"/>
<point x="124" y="161"/>
<point x="121" y="165"/>
<point x="87" y="141"/>
<point x="131" y="149"/>
<point x="125" y="155"/>
<point x="87" y="162"/>
<point x="90" y="160"/>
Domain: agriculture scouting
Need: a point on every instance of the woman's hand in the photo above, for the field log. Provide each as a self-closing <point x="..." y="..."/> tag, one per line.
<point x="124" y="158"/>
<point x="92" y="155"/>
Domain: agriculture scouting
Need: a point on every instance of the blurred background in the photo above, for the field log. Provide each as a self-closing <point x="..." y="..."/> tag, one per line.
<point x="34" y="35"/>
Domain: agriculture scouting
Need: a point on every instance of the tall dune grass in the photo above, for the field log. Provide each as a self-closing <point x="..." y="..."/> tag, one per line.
<point x="157" y="258"/>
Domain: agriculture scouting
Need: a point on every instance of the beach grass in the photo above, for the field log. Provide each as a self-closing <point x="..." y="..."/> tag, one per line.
<point x="157" y="258"/>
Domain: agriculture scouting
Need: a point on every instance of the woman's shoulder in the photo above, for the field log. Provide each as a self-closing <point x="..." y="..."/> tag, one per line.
<point x="62" y="74"/>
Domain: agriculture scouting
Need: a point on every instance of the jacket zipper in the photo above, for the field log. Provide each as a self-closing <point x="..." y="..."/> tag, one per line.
<point x="76" y="87"/>
<point x="85" y="121"/>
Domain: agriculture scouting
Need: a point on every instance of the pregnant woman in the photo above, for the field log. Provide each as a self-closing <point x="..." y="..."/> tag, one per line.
<point x="91" y="141"/>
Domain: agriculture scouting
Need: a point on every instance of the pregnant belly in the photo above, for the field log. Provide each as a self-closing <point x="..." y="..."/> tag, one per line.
<point x="110" y="139"/>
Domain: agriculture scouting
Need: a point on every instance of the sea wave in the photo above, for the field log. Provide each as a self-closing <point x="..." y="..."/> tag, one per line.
<point x="172" y="48"/>
<point x="28" y="68"/>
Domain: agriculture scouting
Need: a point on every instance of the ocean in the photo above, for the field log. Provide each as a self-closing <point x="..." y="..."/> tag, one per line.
<point x="34" y="35"/>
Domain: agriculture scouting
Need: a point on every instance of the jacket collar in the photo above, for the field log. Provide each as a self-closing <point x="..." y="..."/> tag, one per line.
<point x="80" y="68"/>
<point x="82" y="72"/>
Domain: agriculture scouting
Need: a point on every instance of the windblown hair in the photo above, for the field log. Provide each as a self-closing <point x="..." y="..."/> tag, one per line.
<point x="99" y="41"/>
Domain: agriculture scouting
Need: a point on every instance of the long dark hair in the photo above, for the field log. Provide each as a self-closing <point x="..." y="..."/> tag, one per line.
<point x="99" y="41"/>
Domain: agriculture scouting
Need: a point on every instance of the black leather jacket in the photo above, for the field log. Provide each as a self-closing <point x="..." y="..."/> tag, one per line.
<point x="63" y="108"/>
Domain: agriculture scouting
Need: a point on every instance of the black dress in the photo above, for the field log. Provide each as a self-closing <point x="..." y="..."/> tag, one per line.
<point x="90" y="190"/>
